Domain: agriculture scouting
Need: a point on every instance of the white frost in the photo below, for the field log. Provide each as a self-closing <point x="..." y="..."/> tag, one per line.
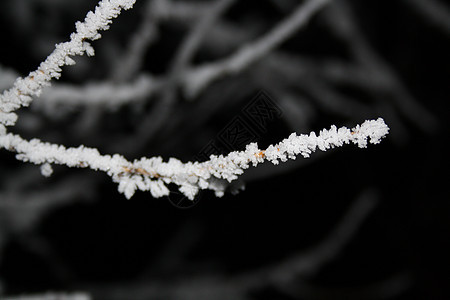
<point x="153" y="174"/>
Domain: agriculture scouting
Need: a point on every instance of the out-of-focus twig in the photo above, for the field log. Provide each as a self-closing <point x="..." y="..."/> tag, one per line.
<point x="343" y="23"/>
<point x="248" y="54"/>
<point x="308" y="263"/>
<point x="105" y="95"/>
<point x="433" y="12"/>
<point x="388" y="288"/>
<point x="151" y="124"/>
<point x="132" y="59"/>
<point x="51" y="296"/>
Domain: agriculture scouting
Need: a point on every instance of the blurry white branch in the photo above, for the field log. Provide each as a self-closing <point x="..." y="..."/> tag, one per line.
<point x="132" y="58"/>
<point x="342" y="23"/>
<point x="51" y="296"/>
<point x="308" y="263"/>
<point x="153" y="122"/>
<point x="434" y="12"/>
<point x="248" y="54"/>
<point x="107" y="95"/>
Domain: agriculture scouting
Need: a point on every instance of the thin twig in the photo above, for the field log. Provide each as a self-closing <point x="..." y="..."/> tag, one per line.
<point x="201" y="76"/>
<point x="153" y="122"/>
<point x="434" y="12"/>
<point x="132" y="59"/>
<point x="342" y="22"/>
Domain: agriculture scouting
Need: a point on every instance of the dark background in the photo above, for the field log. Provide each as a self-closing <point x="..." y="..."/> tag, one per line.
<point x="89" y="238"/>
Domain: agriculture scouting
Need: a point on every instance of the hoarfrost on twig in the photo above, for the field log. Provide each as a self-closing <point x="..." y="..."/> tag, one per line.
<point x="25" y="88"/>
<point x="153" y="174"/>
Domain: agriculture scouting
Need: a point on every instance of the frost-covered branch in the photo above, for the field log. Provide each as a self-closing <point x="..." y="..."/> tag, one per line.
<point x="152" y="174"/>
<point x="25" y="88"/>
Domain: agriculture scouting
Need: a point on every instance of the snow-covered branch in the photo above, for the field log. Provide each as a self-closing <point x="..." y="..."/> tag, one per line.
<point x="152" y="174"/>
<point x="25" y="88"/>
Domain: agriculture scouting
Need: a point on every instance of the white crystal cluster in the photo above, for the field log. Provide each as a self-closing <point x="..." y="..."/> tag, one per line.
<point x="153" y="174"/>
<point x="25" y="88"/>
<point x="216" y="172"/>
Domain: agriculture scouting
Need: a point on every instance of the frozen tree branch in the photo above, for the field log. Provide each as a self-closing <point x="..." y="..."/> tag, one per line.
<point x="24" y="88"/>
<point x="152" y="174"/>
